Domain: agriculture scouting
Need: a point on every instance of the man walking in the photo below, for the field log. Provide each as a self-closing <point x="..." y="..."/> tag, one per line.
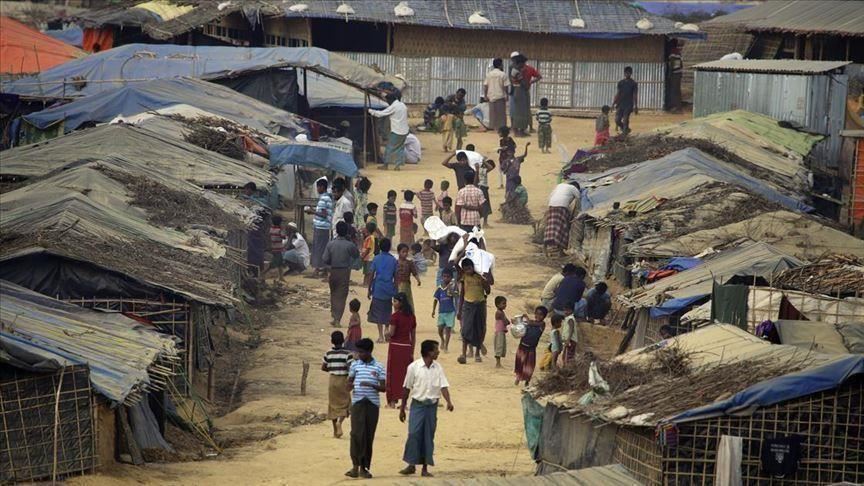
<point x="339" y="254"/>
<point x="626" y="101"/>
<point x="398" y="113"/>
<point x="469" y="200"/>
<point x="425" y="384"/>
<point x="366" y="380"/>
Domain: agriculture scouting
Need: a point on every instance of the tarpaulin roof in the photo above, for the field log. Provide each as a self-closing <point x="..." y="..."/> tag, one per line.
<point x="752" y="259"/>
<point x="756" y="138"/>
<point x="24" y="50"/>
<point x="43" y="333"/>
<point x="135" y="145"/>
<point x="133" y="63"/>
<point x="160" y="93"/>
<point x="671" y="176"/>
<point x="672" y="306"/>
<point x="798" y="235"/>
<point x="153" y="11"/>
<point x="73" y="35"/>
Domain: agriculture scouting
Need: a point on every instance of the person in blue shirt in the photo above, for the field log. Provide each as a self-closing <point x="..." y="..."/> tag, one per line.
<point x="382" y="287"/>
<point x="322" y="224"/>
<point x="366" y="378"/>
<point x="569" y="291"/>
<point x="445" y="296"/>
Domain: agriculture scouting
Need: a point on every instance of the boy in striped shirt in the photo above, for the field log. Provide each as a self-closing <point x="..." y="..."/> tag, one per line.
<point x="544" y="126"/>
<point x="336" y="362"/>
<point x="427" y="201"/>
<point x="366" y="378"/>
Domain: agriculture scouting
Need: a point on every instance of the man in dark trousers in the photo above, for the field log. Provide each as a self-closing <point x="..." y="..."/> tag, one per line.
<point x="339" y="255"/>
<point x="366" y="380"/>
<point x="626" y="101"/>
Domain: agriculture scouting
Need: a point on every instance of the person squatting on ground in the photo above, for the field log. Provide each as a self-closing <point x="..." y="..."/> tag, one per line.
<point x="425" y="384"/>
<point x="336" y="362"/>
<point x="366" y="379"/>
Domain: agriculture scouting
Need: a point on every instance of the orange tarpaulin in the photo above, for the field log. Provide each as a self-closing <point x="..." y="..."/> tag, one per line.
<point x="24" y="50"/>
<point x="98" y="40"/>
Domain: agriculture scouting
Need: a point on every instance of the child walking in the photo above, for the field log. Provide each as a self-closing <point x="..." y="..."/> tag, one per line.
<point x="368" y="251"/>
<point x="555" y="345"/>
<point x="361" y="202"/>
<point x="569" y="337"/>
<point x="405" y="269"/>
<point x="390" y="212"/>
<point x="336" y="362"/>
<point x="544" y="126"/>
<point x="407" y="214"/>
<point x="444" y="301"/>
<point x="501" y="323"/>
<point x="427" y="201"/>
<point x="355" y="333"/>
<point x="420" y="261"/>
<point x="506" y="149"/>
<point x="448" y="121"/>
<point x="447" y="214"/>
<point x="439" y="200"/>
<point x="601" y="127"/>
<point x="277" y="234"/>
<point x="526" y="353"/>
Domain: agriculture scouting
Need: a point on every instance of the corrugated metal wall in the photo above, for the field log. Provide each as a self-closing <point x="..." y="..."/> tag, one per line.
<point x="815" y="102"/>
<point x="581" y="85"/>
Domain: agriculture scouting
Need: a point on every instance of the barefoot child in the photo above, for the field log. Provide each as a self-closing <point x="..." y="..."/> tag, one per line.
<point x="526" y="352"/>
<point x="405" y="269"/>
<point x="439" y="199"/>
<point x="569" y="337"/>
<point x="555" y="340"/>
<point x="444" y="301"/>
<point x="420" y="261"/>
<point x="506" y="149"/>
<point x="447" y="214"/>
<point x="336" y="362"/>
<point x="601" y="127"/>
<point x="501" y="323"/>
<point x="355" y="333"/>
<point x="544" y="127"/>
<point x="369" y="250"/>
<point x="407" y="215"/>
<point x="427" y="201"/>
<point x="390" y="212"/>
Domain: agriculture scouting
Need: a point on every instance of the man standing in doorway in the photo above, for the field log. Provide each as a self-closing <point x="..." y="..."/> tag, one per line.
<point x="425" y="384"/>
<point x="398" y="113"/>
<point x="626" y="101"/>
<point x="366" y="380"/>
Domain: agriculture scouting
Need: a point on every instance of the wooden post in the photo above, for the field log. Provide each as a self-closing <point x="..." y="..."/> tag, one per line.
<point x="365" y="128"/>
<point x="211" y="383"/>
<point x="134" y="451"/>
<point x="304" y="377"/>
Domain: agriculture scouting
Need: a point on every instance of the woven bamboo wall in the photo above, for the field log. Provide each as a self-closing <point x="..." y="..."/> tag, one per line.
<point x="832" y="450"/>
<point x="27" y="404"/>
<point x="415" y="40"/>
<point x="636" y="450"/>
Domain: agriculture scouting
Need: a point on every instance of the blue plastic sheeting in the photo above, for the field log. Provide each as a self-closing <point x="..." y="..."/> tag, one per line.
<point x="323" y="155"/>
<point x="673" y="306"/>
<point x="74" y="36"/>
<point x="109" y="69"/>
<point x="682" y="8"/>
<point x="162" y="93"/>
<point x="682" y="263"/>
<point x="674" y="175"/>
<point x="787" y="387"/>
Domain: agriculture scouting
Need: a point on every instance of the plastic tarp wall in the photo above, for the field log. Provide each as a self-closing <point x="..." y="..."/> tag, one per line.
<point x="675" y="175"/>
<point x="161" y="93"/>
<point x="277" y="88"/>
<point x="787" y="387"/>
<point x="333" y="156"/>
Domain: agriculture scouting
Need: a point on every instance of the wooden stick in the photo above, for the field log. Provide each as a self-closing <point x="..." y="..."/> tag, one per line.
<point x="304" y="377"/>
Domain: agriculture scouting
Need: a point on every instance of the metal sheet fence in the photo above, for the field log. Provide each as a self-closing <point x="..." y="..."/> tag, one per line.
<point x="815" y="102"/>
<point x="581" y="85"/>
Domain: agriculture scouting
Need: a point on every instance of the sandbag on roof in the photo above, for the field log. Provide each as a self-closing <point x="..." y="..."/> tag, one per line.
<point x="755" y="138"/>
<point x="754" y="259"/>
<point x="124" y="65"/>
<point x="672" y="176"/>
<point x="795" y="234"/>
<point x="136" y="145"/>
<point x="41" y="331"/>
<point x="24" y="50"/>
<point x="153" y="95"/>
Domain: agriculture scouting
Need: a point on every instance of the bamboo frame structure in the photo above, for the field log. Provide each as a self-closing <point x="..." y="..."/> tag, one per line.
<point x="36" y="442"/>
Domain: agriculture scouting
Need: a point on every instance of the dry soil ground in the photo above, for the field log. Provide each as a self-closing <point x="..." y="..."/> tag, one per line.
<point x="483" y="436"/>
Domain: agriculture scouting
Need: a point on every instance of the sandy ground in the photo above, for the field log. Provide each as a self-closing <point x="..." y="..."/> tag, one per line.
<point x="483" y="436"/>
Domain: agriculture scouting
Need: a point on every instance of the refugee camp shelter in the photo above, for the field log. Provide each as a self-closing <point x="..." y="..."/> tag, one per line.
<point x="816" y="30"/>
<point x="24" y="50"/>
<point x="737" y="397"/>
<point x="851" y="169"/>
<point x="64" y="374"/>
<point x="806" y="94"/>
<point x="439" y="46"/>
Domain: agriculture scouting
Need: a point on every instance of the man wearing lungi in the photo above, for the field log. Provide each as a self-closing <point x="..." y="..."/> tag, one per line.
<point x="559" y="214"/>
<point x="425" y="384"/>
<point x="398" y="113"/>
<point x="366" y="380"/>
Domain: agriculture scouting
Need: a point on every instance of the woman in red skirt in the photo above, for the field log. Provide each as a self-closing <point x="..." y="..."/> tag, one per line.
<point x="526" y="352"/>
<point x="402" y="336"/>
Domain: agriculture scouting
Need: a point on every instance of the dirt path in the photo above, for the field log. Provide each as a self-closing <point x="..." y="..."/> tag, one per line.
<point x="484" y="436"/>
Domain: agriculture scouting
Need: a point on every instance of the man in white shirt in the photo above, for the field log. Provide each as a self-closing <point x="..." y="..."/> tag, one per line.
<point x="496" y="88"/>
<point x="425" y="384"/>
<point x="296" y="258"/>
<point x="398" y="113"/>
<point x="559" y="214"/>
<point x="341" y="203"/>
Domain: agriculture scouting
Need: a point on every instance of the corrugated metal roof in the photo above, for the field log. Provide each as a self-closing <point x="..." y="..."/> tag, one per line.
<point x="841" y="17"/>
<point x="786" y="66"/>
<point x="43" y="332"/>
<point x="611" y="475"/>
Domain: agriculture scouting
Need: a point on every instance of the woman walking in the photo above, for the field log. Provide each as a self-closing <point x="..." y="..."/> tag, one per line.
<point x="402" y="336"/>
